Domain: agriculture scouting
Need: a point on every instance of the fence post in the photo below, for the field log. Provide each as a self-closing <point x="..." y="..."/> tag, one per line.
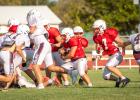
<point x="96" y="64"/>
<point x="130" y="65"/>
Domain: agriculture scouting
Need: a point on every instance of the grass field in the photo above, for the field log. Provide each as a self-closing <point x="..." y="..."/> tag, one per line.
<point x="102" y="90"/>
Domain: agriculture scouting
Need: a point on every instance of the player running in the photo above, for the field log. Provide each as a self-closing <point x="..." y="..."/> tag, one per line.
<point x="104" y="38"/>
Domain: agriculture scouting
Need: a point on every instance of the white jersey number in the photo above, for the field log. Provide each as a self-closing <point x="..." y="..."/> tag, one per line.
<point x="105" y="44"/>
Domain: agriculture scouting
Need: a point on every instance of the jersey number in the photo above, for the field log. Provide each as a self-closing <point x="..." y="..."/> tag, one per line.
<point x="137" y="39"/>
<point x="137" y="43"/>
<point x="105" y="44"/>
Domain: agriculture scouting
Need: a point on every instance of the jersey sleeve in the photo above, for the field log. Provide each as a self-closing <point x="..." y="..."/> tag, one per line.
<point x="19" y="40"/>
<point x="56" y="32"/>
<point x="73" y="42"/>
<point x="95" y="39"/>
<point x="112" y="33"/>
<point x="84" y="42"/>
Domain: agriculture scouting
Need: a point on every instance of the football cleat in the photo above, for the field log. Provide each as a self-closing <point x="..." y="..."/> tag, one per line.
<point x="122" y="82"/>
<point x="81" y="82"/>
<point x="40" y="86"/>
<point x="74" y="76"/>
<point x="118" y="81"/>
<point x="125" y="82"/>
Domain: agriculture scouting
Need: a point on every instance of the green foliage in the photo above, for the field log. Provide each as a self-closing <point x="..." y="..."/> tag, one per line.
<point x="10" y="2"/>
<point x="23" y="2"/>
<point x="122" y="14"/>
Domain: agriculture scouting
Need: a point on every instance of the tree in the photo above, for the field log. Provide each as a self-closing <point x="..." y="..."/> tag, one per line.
<point x="10" y="2"/>
<point x="122" y="14"/>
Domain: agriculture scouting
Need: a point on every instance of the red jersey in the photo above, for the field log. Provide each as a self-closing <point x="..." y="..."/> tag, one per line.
<point x="83" y="41"/>
<point x="106" y="40"/>
<point x="74" y="41"/>
<point x="53" y="33"/>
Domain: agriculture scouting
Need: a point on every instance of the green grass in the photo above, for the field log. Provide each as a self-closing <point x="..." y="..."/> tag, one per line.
<point x="102" y="90"/>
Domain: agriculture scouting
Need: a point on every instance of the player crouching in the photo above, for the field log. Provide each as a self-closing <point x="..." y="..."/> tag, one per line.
<point x="76" y="54"/>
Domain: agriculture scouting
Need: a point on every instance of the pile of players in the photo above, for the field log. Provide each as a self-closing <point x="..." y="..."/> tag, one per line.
<point x="38" y="46"/>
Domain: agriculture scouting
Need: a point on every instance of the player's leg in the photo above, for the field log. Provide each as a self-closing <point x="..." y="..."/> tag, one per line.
<point x="107" y="75"/>
<point x="50" y="64"/>
<point x="59" y="61"/>
<point x="82" y="64"/>
<point x="113" y="61"/>
<point x="38" y="58"/>
<point x="7" y="58"/>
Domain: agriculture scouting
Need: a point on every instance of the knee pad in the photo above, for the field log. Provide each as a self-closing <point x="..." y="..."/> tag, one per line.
<point x="106" y="77"/>
<point x="81" y="73"/>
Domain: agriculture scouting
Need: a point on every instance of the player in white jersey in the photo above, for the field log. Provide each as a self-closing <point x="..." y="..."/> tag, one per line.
<point x="134" y="41"/>
<point x="55" y="39"/>
<point x="6" y="55"/>
<point x="23" y="53"/>
<point x="13" y="21"/>
<point x="42" y="47"/>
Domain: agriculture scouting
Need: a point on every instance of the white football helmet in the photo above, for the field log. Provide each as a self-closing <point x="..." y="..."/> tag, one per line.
<point x="3" y="29"/>
<point x="23" y="29"/>
<point x="13" y="21"/>
<point x="78" y="29"/>
<point x="68" y="32"/>
<point x="33" y="17"/>
<point x="101" y="24"/>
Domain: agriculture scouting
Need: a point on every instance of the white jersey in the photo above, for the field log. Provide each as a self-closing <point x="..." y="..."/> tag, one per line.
<point x="135" y="41"/>
<point x="23" y="39"/>
<point x="7" y="39"/>
<point x="1" y="40"/>
<point x="38" y="36"/>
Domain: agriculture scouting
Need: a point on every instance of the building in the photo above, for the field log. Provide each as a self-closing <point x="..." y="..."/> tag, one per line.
<point x="20" y="13"/>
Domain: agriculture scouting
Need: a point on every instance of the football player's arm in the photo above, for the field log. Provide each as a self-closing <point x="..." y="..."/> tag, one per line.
<point x="59" y="40"/>
<point x="119" y="41"/>
<point x="20" y="52"/>
<point x="126" y="43"/>
<point x="62" y="51"/>
<point x="71" y="53"/>
<point x="98" y="48"/>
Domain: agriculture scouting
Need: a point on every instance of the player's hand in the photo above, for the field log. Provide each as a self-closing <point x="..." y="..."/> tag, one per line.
<point x="57" y="44"/>
<point x="97" y="56"/>
<point x="62" y="51"/>
<point x="24" y="60"/>
<point x="63" y="57"/>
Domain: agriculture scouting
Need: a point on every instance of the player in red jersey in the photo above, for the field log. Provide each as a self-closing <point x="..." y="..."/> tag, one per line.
<point x="76" y="54"/>
<point x="79" y="32"/>
<point x="55" y="39"/>
<point x="105" y="37"/>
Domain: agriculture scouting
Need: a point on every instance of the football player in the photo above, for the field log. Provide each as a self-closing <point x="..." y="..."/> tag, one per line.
<point x="104" y="38"/>
<point x="134" y="41"/>
<point x="76" y="54"/>
<point x="42" y="46"/>
<point x="79" y="32"/>
<point x="6" y="56"/>
<point x="55" y="39"/>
